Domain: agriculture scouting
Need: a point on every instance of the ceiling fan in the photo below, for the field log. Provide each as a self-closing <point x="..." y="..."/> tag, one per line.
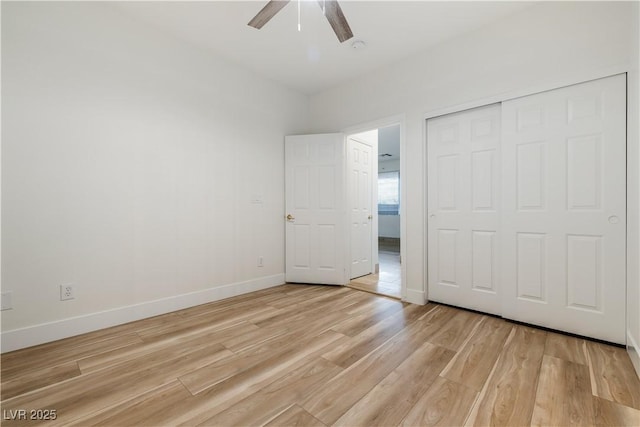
<point x="332" y="11"/>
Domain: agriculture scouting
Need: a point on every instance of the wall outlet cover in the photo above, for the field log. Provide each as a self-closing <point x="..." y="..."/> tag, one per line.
<point x="6" y="300"/>
<point x="66" y="292"/>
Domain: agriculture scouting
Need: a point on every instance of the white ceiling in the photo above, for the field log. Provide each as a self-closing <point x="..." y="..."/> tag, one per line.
<point x="313" y="60"/>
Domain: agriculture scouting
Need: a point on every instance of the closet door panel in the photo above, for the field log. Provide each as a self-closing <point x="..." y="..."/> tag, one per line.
<point x="463" y="209"/>
<point x="563" y="209"/>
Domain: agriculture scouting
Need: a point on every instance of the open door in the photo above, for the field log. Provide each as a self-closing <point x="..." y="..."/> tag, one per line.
<point x="360" y="202"/>
<point x="315" y="214"/>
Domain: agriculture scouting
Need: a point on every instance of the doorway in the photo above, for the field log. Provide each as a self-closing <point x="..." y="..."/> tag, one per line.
<point x="385" y="277"/>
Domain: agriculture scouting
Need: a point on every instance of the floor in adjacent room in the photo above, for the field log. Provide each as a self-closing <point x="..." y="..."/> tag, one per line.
<point x="388" y="281"/>
<point x="322" y="355"/>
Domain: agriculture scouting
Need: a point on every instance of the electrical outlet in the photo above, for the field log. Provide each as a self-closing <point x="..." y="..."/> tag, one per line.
<point x="7" y="301"/>
<point x="260" y="261"/>
<point x="66" y="292"/>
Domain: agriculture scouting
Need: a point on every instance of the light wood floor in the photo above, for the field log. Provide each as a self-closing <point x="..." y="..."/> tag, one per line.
<point x="387" y="281"/>
<point x="314" y="356"/>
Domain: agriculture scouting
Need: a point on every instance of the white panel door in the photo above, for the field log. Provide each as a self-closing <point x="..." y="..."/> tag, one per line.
<point x="463" y="151"/>
<point x="315" y="209"/>
<point x="360" y="169"/>
<point x="564" y="201"/>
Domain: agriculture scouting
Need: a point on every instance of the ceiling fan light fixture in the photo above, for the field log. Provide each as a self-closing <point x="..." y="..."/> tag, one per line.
<point x="358" y="45"/>
<point x="330" y="9"/>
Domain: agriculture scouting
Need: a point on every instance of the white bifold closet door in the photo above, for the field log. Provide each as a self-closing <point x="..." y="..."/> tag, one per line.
<point x="563" y="212"/>
<point x="526" y="209"/>
<point x="463" y="207"/>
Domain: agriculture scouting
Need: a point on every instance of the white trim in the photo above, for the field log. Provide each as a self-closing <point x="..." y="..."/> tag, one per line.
<point x="531" y="90"/>
<point x="416" y="297"/>
<point x="59" y="329"/>
<point x="375" y="124"/>
<point x="425" y="206"/>
<point x="404" y="291"/>
<point x="634" y="352"/>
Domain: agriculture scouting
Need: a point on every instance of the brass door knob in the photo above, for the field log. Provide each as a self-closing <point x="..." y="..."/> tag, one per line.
<point x="290" y="217"/>
<point x="370" y="216"/>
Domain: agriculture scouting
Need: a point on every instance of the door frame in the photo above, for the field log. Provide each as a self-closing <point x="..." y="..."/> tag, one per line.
<point x="400" y="120"/>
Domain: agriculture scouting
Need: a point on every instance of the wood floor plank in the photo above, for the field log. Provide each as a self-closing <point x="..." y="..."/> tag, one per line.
<point x="260" y="407"/>
<point x="301" y="311"/>
<point x="152" y="408"/>
<point x="607" y="413"/>
<point x="295" y="416"/>
<point x="612" y="374"/>
<point x="14" y="364"/>
<point x="353" y="326"/>
<point x="109" y="387"/>
<point x="66" y="349"/>
<point x="565" y="347"/>
<point x="143" y="324"/>
<point x="148" y="349"/>
<point x="379" y="287"/>
<point x="445" y="403"/>
<point x="38" y="378"/>
<point x="301" y="288"/>
<point x="353" y="300"/>
<point x="330" y="401"/>
<point x="240" y="303"/>
<point x="453" y="334"/>
<point x="563" y="397"/>
<point x="250" y="355"/>
<point x="411" y="379"/>
<point x="508" y="395"/>
<point x="473" y="363"/>
<point x="374" y="304"/>
<point x="255" y="338"/>
<point x="208" y="376"/>
<point x="193" y="324"/>
<point x="225" y="394"/>
<point x="359" y="346"/>
<point x="303" y="294"/>
<point x="316" y="294"/>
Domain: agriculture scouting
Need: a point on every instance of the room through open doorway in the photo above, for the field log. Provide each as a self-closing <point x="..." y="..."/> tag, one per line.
<point x="383" y="186"/>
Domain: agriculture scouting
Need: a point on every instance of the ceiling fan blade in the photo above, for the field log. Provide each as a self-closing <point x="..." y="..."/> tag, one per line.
<point x="336" y="18"/>
<point x="267" y="12"/>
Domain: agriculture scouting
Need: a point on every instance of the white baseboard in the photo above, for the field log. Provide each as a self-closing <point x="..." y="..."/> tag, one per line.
<point x="634" y="353"/>
<point x="52" y="331"/>
<point x="415" y="297"/>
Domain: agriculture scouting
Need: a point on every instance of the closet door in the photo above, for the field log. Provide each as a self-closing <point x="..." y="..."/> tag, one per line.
<point x="563" y="211"/>
<point x="463" y="152"/>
